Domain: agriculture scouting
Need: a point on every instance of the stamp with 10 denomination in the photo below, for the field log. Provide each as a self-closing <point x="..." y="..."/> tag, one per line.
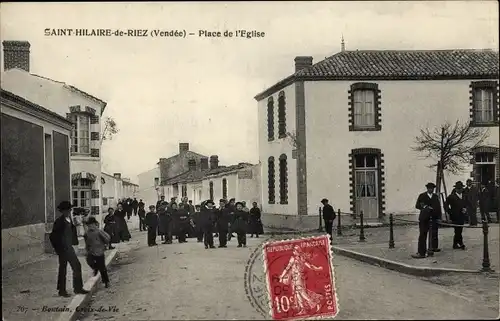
<point x="300" y="278"/>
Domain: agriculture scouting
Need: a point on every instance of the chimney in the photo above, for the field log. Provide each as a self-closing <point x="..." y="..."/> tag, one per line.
<point x="117" y="175"/>
<point x="214" y="161"/>
<point x="16" y="54"/>
<point x="192" y="164"/>
<point x="302" y="62"/>
<point x="204" y="163"/>
<point x="183" y="147"/>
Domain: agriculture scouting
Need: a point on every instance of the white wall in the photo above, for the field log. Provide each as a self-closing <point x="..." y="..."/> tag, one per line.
<point x="147" y="189"/>
<point x="406" y="107"/>
<point x="232" y="187"/>
<point x="275" y="148"/>
<point x="249" y="190"/>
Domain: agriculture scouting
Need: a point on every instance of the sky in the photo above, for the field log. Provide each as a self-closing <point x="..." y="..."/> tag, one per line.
<point x="164" y="91"/>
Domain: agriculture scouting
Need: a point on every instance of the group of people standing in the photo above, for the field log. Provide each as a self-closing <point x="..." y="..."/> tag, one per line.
<point x="130" y="206"/>
<point x="461" y="206"/>
<point x="184" y="219"/>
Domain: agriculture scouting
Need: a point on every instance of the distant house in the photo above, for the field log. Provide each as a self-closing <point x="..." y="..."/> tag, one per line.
<point x="353" y="118"/>
<point x="81" y="108"/>
<point x="35" y="175"/>
<point x="149" y="186"/>
<point x="177" y="164"/>
<point x="114" y="189"/>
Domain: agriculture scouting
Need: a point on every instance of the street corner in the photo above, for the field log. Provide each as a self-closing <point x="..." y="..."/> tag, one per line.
<point x="293" y="279"/>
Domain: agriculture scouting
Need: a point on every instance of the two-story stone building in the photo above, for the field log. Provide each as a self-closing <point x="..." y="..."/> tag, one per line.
<point x="81" y="108"/>
<point x="354" y="117"/>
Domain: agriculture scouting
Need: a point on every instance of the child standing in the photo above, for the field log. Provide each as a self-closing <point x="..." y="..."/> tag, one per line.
<point x="96" y="242"/>
<point x="151" y="222"/>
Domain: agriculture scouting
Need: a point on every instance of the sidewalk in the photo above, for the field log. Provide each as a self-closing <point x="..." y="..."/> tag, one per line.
<point x="27" y="289"/>
<point x="405" y="239"/>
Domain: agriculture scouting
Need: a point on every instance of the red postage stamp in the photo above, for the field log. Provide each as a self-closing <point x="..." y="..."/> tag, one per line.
<point x="300" y="278"/>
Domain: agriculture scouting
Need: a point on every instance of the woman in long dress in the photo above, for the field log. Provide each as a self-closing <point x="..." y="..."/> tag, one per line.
<point x="255" y="222"/>
<point x="121" y="224"/>
<point x="295" y="276"/>
<point x="110" y="227"/>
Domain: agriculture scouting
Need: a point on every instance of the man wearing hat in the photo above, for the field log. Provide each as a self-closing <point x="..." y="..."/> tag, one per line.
<point x="63" y="237"/>
<point x="207" y="220"/>
<point x="456" y="205"/>
<point x="222" y="223"/>
<point x="430" y="212"/>
<point x="471" y="193"/>
<point x="328" y="217"/>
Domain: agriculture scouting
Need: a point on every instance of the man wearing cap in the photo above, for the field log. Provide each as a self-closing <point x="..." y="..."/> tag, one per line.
<point x="430" y="213"/>
<point x="328" y="217"/>
<point x="207" y="220"/>
<point x="63" y="237"/>
<point x="456" y="205"/>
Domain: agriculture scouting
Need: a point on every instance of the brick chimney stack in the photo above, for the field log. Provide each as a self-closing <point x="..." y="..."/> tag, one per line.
<point x="183" y="147"/>
<point x="192" y="164"/>
<point x="214" y="161"/>
<point x="16" y="54"/>
<point x="204" y="163"/>
<point x="302" y="62"/>
<point x="117" y="175"/>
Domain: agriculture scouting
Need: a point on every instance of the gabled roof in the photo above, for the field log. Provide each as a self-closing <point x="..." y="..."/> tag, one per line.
<point x="198" y="175"/>
<point x="8" y="95"/>
<point x="39" y="81"/>
<point x="398" y="65"/>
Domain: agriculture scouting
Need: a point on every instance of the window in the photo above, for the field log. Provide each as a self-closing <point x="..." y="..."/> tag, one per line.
<point x="283" y="180"/>
<point x="271" y="181"/>
<point x="80" y="135"/>
<point x="281" y="115"/>
<point x="484" y="103"/>
<point x="157" y="181"/>
<point x="82" y="193"/>
<point x="270" y="119"/>
<point x="211" y="190"/>
<point x="485" y="158"/>
<point x="224" y="188"/>
<point x="104" y="201"/>
<point x="364" y="107"/>
<point x="184" y="191"/>
<point x="366" y="176"/>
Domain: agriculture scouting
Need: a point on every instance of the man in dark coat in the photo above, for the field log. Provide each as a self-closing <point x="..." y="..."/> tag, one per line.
<point x="142" y="216"/>
<point x="456" y="205"/>
<point x="222" y="223"/>
<point x="485" y="203"/>
<point x="162" y="200"/>
<point x="165" y="227"/>
<point x="472" y="194"/>
<point x="63" y="237"/>
<point x="151" y="222"/>
<point x="135" y="205"/>
<point x="255" y="220"/>
<point x="180" y="217"/>
<point x="207" y="220"/>
<point x="430" y="213"/>
<point x="328" y="217"/>
<point x="231" y="206"/>
<point x="197" y="222"/>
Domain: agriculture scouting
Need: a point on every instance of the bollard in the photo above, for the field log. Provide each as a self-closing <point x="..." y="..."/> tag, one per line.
<point x="430" y="252"/>
<point x="486" y="254"/>
<point x="362" y="230"/>
<point x="320" y="228"/>
<point x="391" y="231"/>
<point x="339" y="225"/>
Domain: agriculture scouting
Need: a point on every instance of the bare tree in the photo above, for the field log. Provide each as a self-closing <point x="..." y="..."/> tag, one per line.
<point x="110" y="129"/>
<point x="450" y="145"/>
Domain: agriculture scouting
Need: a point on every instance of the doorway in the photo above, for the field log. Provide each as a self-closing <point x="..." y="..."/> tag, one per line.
<point x="366" y="186"/>
<point x="484" y="168"/>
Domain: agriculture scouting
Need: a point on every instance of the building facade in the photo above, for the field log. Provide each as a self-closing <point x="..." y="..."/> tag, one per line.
<point x="81" y="108"/>
<point x="115" y="189"/>
<point x="149" y="186"/>
<point x="35" y="175"/>
<point x="363" y="116"/>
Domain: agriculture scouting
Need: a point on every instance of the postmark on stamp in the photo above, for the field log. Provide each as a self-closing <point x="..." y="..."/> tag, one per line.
<point x="296" y="281"/>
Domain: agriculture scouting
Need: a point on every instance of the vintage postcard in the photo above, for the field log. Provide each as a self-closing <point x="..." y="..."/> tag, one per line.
<point x="221" y="160"/>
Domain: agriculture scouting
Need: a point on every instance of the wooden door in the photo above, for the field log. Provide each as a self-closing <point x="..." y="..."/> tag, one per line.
<point x="366" y="193"/>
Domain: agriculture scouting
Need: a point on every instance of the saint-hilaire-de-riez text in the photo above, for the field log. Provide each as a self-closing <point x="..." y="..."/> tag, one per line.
<point x="181" y="33"/>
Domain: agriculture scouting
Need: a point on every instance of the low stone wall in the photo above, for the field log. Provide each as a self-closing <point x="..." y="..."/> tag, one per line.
<point x="22" y="244"/>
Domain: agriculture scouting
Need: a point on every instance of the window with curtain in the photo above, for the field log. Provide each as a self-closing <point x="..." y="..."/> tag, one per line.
<point x="271" y="180"/>
<point x="364" y="108"/>
<point x="80" y="135"/>
<point x="82" y="193"/>
<point x="365" y="179"/>
<point x="224" y="188"/>
<point x="483" y="105"/>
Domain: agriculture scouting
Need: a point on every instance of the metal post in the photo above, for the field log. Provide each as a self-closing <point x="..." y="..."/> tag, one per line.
<point x="486" y="253"/>
<point x="320" y="228"/>
<point x="339" y="224"/>
<point x="391" y="231"/>
<point x="362" y="230"/>
<point x="430" y="252"/>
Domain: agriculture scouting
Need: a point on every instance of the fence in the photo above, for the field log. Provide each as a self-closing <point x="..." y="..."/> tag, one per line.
<point x="485" y="266"/>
